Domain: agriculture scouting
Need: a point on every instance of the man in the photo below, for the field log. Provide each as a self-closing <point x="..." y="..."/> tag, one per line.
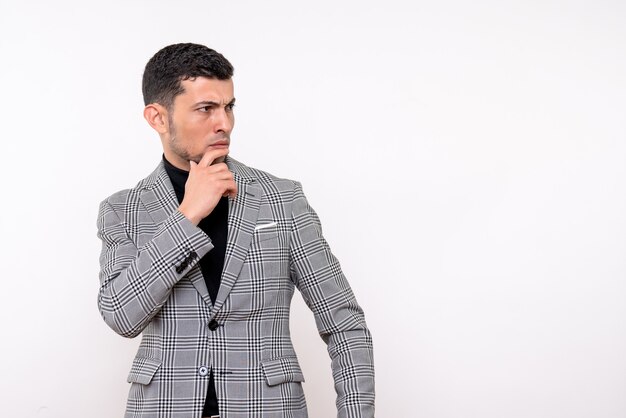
<point x="202" y="256"/>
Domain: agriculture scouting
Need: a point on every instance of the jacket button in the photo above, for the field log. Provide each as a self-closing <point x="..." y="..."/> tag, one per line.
<point x="203" y="371"/>
<point x="213" y="325"/>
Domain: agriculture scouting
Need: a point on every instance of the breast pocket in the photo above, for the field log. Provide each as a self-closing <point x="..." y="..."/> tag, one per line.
<point x="265" y="230"/>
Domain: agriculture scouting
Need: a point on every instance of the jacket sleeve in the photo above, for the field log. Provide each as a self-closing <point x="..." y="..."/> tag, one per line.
<point x="136" y="282"/>
<point x="339" y="319"/>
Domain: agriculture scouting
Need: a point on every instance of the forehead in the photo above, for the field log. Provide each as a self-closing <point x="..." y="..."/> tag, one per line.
<point x="206" y="89"/>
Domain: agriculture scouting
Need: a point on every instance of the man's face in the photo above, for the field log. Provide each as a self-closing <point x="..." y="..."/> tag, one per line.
<point x="200" y="119"/>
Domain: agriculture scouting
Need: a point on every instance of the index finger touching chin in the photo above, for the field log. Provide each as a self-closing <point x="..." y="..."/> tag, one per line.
<point x="211" y="155"/>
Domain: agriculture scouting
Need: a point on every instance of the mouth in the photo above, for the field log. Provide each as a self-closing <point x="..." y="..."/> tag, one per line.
<point x="220" y="144"/>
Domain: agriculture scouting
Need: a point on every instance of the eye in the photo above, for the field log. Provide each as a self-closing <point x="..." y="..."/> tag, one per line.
<point x="205" y="109"/>
<point x="230" y="107"/>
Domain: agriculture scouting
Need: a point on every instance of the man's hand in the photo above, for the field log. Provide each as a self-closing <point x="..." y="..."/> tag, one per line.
<point x="206" y="185"/>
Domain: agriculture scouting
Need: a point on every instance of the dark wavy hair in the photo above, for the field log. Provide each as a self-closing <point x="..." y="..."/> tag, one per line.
<point x="167" y="68"/>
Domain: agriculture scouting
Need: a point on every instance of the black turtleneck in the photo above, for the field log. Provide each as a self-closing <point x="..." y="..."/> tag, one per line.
<point x="216" y="227"/>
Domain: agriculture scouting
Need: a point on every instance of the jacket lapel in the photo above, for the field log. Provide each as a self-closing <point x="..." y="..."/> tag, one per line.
<point x="243" y="212"/>
<point x="160" y="201"/>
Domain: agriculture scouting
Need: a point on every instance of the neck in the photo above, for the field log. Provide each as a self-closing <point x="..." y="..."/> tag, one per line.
<point x="176" y="161"/>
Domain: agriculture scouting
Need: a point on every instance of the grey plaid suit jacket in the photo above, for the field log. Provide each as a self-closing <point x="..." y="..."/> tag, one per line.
<point x="151" y="284"/>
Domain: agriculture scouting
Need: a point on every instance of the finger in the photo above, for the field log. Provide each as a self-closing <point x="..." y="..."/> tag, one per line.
<point x="211" y="155"/>
<point x="219" y="172"/>
<point x="218" y="168"/>
<point x="229" y="188"/>
<point x="231" y="191"/>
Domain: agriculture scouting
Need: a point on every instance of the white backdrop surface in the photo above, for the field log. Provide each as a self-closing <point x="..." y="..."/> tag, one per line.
<point x="467" y="160"/>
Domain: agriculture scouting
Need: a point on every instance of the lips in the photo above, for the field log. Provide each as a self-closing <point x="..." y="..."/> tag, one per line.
<point x="220" y="144"/>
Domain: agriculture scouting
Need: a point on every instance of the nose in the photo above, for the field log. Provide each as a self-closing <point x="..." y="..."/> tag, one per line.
<point x="224" y="120"/>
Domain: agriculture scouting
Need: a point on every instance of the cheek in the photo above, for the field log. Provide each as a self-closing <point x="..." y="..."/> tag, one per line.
<point x="192" y="132"/>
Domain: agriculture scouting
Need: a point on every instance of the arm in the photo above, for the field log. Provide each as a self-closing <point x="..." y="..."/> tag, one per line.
<point x="136" y="282"/>
<point x="340" y="320"/>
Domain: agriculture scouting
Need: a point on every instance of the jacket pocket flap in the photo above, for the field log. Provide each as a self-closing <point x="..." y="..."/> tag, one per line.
<point x="143" y="370"/>
<point x="281" y="370"/>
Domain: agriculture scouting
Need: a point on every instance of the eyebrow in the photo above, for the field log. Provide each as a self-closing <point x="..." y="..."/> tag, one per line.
<point x="212" y="103"/>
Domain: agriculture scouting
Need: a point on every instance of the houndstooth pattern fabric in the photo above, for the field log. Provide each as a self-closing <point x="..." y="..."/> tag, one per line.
<point x="151" y="284"/>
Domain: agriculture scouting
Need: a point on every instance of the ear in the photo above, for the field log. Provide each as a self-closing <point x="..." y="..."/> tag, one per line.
<point x="156" y="116"/>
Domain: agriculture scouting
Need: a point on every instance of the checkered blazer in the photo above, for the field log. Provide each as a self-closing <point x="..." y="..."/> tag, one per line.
<point x="151" y="284"/>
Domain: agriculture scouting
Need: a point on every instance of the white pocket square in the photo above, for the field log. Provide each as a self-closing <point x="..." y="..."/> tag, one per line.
<point x="263" y="226"/>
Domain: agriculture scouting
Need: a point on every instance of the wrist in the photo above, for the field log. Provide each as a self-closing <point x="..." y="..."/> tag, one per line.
<point x="193" y="218"/>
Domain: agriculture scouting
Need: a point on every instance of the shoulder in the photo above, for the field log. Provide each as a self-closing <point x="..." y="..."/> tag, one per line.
<point x="270" y="183"/>
<point x="126" y="197"/>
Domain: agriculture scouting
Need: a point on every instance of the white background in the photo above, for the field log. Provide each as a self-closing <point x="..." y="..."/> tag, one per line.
<point x="467" y="160"/>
